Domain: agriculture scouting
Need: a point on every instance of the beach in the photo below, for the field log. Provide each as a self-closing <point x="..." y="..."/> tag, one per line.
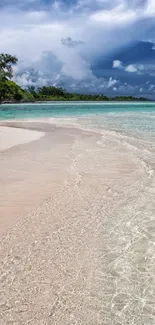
<point x="77" y="226"/>
<point x="10" y="137"/>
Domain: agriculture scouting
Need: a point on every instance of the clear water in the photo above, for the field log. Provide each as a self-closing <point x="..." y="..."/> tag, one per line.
<point x="129" y="118"/>
<point x="107" y="223"/>
<point x="17" y="111"/>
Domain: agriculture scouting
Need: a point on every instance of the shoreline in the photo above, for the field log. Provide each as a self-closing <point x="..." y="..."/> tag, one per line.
<point x="77" y="101"/>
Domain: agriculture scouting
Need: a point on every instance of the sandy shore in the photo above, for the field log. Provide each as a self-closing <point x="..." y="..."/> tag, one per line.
<point x="30" y="169"/>
<point x="10" y="137"/>
<point x="77" y="231"/>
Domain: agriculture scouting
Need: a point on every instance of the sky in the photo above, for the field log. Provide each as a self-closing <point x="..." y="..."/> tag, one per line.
<point x="85" y="46"/>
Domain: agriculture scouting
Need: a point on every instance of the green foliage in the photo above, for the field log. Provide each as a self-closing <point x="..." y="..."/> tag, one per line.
<point x="27" y="97"/>
<point x="9" y="91"/>
<point x="128" y="98"/>
<point x="51" y="91"/>
<point x="6" y="62"/>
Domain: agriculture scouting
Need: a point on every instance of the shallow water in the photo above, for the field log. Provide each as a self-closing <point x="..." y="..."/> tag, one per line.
<point x="89" y="250"/>
<point x="127" y="117"/>
<point x="128" y="122"/>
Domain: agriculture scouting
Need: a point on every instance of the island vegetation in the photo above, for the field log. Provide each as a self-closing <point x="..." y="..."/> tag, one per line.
<point x="12" y="93"/>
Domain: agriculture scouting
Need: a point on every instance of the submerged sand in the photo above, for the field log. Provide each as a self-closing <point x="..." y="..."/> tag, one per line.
<point x="77" y="224"/>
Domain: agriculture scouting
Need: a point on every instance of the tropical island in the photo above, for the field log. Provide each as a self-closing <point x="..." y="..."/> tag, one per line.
<point x="10" y="92"/>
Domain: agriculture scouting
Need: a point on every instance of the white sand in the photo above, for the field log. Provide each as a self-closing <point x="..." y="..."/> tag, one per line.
<point x="10" y="137"/>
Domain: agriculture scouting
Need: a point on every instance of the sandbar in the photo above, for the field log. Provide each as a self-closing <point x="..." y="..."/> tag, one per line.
<point x="10" y="137"/>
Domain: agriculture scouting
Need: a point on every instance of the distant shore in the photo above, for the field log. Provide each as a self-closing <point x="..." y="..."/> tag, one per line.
<point x="70" y="101"/>
<point x="13" y="93"/>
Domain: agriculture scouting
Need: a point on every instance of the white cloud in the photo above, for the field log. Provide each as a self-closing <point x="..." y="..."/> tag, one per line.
<point x="117" y="64"/>
<point x="150" y="8"/>
<point x="89" y="29"/>
<point x="131" y="68"/>
<point x="125" y="12"/>
<point x="119" y="15"/>
<point x="112" y="82"/>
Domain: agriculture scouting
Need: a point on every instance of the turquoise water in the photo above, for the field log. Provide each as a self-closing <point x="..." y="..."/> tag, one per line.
<point x="18" y="111"/>
<point x="135" y="118"/>
<point x="54" y="110"/>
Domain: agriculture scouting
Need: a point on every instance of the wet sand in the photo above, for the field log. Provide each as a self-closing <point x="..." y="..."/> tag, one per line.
<point x="77" y="231"/>
<point x="30" y="172"/>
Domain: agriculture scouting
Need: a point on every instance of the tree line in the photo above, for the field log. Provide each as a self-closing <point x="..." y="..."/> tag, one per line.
<point x="11" y="92"/>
